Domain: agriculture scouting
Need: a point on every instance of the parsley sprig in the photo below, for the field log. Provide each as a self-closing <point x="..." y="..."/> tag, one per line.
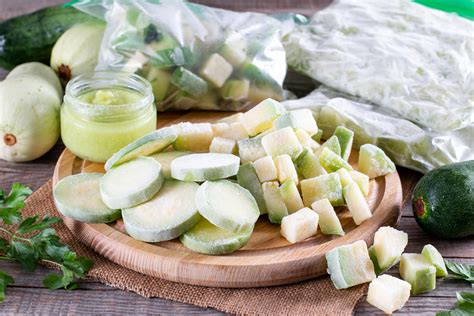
<point x="464" y="305"/>
<point x="34" y="240"/>
<point x="461" y="271"/>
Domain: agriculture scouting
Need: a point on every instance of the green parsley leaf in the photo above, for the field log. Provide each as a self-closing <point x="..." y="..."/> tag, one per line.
<point x="5" y="280"/>
<point x="464" y="305"/>
<point x="11" y="204"/>
<point x="461" y="271"/>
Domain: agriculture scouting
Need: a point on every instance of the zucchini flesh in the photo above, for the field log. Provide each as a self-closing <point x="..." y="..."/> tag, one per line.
<point x="206" y="166"/>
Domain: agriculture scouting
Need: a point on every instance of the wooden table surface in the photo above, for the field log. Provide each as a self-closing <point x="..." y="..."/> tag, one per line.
<point x="28" y="296"/>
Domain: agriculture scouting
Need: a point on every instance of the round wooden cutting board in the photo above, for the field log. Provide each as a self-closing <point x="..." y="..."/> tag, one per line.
<point x="268" y="259"/>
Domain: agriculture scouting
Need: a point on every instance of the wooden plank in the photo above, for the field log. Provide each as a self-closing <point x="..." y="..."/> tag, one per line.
<point x="416" y="305"/>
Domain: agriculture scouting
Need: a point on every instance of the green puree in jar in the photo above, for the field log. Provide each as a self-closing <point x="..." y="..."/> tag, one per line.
<point x="97" y="123"/>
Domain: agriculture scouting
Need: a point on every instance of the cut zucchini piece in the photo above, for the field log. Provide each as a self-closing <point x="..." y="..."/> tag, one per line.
<point x="260" y="118"/>
<point x="136" y="62"/>
<point x="170" y="57"/>
<point x="234" y="118"/>
<point x="223" y="146"/>
<point x="248" y="179"/>
<point x="322" y="187"/>
<point x="373" y="257"/>
<point x="234" y="49"/>
<point x="170" y="213"/>
<point x="299" y="225"/>
<point x="216" y="70"/>
<point x="282" y="141"/>
<point x="388" y="293"/>
<point x="344" y="176"/>
<point x="308" y="164"/>
<point x="328" y="221"/>
<point x="149" y="144"/>
<point x="434" y="257"/>
<point x="236" y="90"/>
<point x="350" y="265"/>
<point x="332" y="162"/>
<point x="291" y="196"/>
<point x="227" y="205"/>
<point x="345" y="137"/>
<point x="160" y="83"/>
<point x="286" y="169"/>
<point x="419" y="272"/>
<point x="356" y="203"/>
<point x="275" y="205"/>
<point x="206" y="166"/>
<point x="234" y="130"/>
<point x="195" y="137"/>
<point x="374" y="162"/>
<point x="302" y="119"/>
<point x="362" y="181"/>
<point x="305" y="140"/>
<point x="318" y="135"/>
<point x="209" y="239"/>
<point x="78" y="197"/>
<point x="262" y="85"/>
<point x="188" y="82"/>
<point x="389" y="244"/>
<point x="333" y="144"/>
<point x="265" y="169"/>
<point x="131" y="183"/>
<point x="250" y="149"/>
<point x="165" y="159"/>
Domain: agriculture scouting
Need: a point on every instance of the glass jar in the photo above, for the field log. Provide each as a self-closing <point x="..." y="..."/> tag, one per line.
<point x="104" y="111"/>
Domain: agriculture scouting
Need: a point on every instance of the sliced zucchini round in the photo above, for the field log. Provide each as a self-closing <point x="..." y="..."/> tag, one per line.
<point x="202" y="167"/>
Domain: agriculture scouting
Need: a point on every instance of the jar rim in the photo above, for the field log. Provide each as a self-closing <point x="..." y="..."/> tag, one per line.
<point x="107" y="79"/>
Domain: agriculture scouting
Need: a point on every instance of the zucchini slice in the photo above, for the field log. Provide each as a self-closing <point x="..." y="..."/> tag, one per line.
<point x="206" y="166"/>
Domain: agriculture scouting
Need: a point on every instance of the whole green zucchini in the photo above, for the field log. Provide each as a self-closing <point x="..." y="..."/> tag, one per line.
<point x="31" y="37"/>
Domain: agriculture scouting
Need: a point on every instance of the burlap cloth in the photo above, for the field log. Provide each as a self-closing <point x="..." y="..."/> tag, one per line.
<point x="313" y="297"/>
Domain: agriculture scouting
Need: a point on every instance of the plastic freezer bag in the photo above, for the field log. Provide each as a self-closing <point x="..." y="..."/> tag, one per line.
<point x="194" y="56"/>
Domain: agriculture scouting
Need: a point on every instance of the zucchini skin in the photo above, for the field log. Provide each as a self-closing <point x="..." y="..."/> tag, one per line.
<point x="31" y="37"/>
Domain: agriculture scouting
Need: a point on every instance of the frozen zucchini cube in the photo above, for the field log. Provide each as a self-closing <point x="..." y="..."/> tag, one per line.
<point x="356" y="203"/>
<point x="275" y="205"/>
<point x="419" y="272"/>
<point x="216" y="70"/>
<point x="234" y="49"/>
<point x="231" y="118"/>
<point x="160" y="83"/>
<point x="235" y="130"/>
<point x="331" y="161"/>
<point x="260" y="118"/>
<point x="362" y="181"/>
<point x="266" y="169"/>
<point x="223" y="145"/>
<point x="350" y="265"/>
<point x="305" y="140"/>
<point x="286" y="169"/>
<point x="188" y="82"/>
<point x="195" y="137"/>
<point x="247" y="178"/>
<point x="291" y="196"/>
<point x="389" y="244"/>
<point x="434" y="257"/>
<point x="250" y="149"/>
<point x="318" y="135"/>
<point x="344" y="176"/>
<point x="374" y="162"/>
<point x="328" y="221"/>
<point x="136" y="62"/>
<point x="332" y="144"/>
<point x="299" y="225"/>
<point x="388" y="293"/>
<point x="282" y="141"/>
<point x="236" y="90"/>
<point x="326" y="186"/>
<point x="345" y="137"/>
<point x="302" y="119"/>
<point x="308" y="164"/>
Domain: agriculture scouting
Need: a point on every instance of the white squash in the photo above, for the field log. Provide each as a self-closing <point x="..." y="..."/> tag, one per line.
<point x="29" y="117"/>
<point x="77" y="50"/>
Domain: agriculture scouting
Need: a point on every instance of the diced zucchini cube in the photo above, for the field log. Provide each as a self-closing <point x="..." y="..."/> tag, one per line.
<point x="308" y="164"/>
<point x="160" y="83"/>
<point x="326" y="186"/>
<point x="305" y="140"/>
<point x="356" y="203"/>
<point x="362" y="181"/>
<point x="331" y="161"/>
<point x="195" y="137"/>
<point x="282" y="141"/>
<point x="188" y="82"/>
<point x="318" y="135"/>
<point x="345" y="176"/>
<point x="216" y="70"/>
<point x="223" y="145"/>
<point x="235" y="130"/>
<point x="299" y="225"/>
<point x="291" y="196"/>
<point x="250" y="149"/>
<point x="286" y="169"/>
<point x="266" y="169"/>
<point x="374" y="162"/>
<point x="389" y="244"/>
<point x="388" y="293"/>
<point x="419" y="272"/>
<point x="350" y="265"/>
<point x="247" y="178"/>
<point x="275" y="205"/>
<point x="236" y="90"/>
<point x="328" y="221"/>
<point x="261" y="117"/>
<point x="333" y="144"/>
<point x="136" y="62"/>
<point x="302" y="119"/>
<point x="234" y="49"/>
<point x="345" y="137"/>
<point x="434" y="257"/>
<point x="231" y="118"/>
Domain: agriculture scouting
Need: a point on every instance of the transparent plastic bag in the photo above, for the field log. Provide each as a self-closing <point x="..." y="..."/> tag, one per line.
<point x="194" y="56"/>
